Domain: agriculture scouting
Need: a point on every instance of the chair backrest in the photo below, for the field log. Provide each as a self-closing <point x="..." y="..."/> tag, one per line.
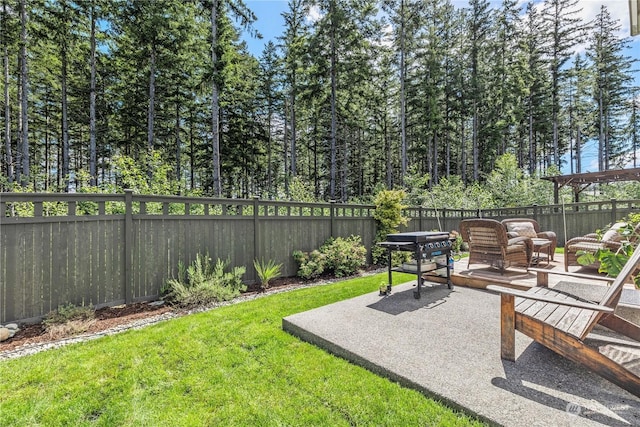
<point x="535" y="224"/>
<point x="610" y="299"/>
<point x="483" y="232"/>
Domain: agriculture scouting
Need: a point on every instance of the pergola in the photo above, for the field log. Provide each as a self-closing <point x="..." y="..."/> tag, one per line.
<point x="581" y="181"/>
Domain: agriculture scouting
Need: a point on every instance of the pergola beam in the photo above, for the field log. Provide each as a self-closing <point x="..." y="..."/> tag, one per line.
<point x="580" y="181"/>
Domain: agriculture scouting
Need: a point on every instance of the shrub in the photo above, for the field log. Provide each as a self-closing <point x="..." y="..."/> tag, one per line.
<point x="266" y="271"/>
<point x="340" y="257"/>
<point x="310" y="265"/>
<point x="204" y="282"/>
<point x="388" y="216"/>
<point x="344" y="256"/>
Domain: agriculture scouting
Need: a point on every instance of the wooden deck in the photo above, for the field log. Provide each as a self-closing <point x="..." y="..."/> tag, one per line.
<point x="480" y="276"/>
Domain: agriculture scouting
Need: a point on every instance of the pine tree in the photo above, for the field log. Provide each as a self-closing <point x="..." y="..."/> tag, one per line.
<point x="564" y="31"/>
<point x="612" y="81"/>
<point x="294" y="45"/>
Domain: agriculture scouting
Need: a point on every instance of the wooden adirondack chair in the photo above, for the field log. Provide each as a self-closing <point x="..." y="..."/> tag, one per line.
<point x="561" y="322"/>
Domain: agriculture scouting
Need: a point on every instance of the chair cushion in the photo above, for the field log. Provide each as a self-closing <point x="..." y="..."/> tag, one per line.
<point x="612" y="235"/>
<point x="524" y="229"/>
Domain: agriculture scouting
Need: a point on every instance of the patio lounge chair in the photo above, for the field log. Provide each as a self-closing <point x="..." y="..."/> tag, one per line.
<point x="529" y="227"/>
<point x="489" y="244"/>
<point x="611" y="239"/>
<point x="561" y="322"/>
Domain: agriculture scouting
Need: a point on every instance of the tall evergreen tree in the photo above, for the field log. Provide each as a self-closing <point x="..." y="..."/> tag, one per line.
<point x="246" y="17"/>
<point x="24" y="171"/>
<point x="532" y="71"/>
<point x="612" y="82"/>
<point x="564" y="31"/>
<point x="294" y="41"/>
<point x="8" y="38"/>
<point x="479" y="27"/>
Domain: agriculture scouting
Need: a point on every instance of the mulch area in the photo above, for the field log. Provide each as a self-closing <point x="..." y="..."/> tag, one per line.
<point x="109" y="317"/>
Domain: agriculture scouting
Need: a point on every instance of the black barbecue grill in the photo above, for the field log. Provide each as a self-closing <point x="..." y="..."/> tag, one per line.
<point x="425" y="245"/>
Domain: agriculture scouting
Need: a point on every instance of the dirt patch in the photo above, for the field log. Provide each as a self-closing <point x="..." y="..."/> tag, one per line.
<point x="105" y="318"/>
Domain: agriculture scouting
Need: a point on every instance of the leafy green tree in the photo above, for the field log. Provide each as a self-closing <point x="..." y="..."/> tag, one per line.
<point x="507" y="182"/>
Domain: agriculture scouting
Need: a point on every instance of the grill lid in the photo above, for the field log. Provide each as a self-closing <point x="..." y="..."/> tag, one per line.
<point x="418" y="236"/>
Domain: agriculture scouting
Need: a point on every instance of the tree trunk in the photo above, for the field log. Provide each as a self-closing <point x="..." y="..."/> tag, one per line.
<point x="65" y="121"/>
<point x="178" y="148"/>
<point x="24" y="94"/>
<point x="152" y="96"/>
<point x="93" y="158"/>
<point x="215" y="102"/>
<point x="294" y="162"/>
<point x="403" y="98"/>
<point x="334" y="89"/>
<point x="7" y="108"/>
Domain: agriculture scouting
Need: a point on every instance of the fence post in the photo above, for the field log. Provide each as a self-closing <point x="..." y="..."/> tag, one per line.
<point x="331" y="216"/>
<point x="420" y="216"/>
<point x="128" y="249"/>
<point x="535" y="212"/>
<point x="444" y="220"/>
<point x="256" y="222"/>
<point x="614" y="211"/>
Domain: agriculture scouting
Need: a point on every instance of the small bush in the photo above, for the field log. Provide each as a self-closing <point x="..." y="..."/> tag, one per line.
<point x="310" y="264"/>
<point x="204" y="282"/>
<point x="340" y="257"/>
<point x="345" y="256"/>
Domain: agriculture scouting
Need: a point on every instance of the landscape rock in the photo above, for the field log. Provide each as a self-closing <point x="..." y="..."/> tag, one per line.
<point x="5" y="334"/>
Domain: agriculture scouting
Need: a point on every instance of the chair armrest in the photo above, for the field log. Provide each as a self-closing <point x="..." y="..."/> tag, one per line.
<point x="606" y="243"/>
<point x="572" y="274"/>
<point x="549" y="235"/>
<point x="582" y="239"/>
<point x="553" y="300"/>
<point x="516" y="240"/>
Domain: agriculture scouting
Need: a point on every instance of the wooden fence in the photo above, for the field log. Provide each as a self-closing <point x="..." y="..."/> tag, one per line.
<point x="111" y="249"/>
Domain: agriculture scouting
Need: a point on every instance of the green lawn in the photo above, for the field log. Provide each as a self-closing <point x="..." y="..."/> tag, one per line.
<point x="229" y="366"/>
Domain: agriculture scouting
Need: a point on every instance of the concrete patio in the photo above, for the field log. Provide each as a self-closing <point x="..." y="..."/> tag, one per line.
<point x="447" y="345"/>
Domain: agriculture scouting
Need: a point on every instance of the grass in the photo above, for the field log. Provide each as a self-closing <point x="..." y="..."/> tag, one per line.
<point x="229" y="366"/>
